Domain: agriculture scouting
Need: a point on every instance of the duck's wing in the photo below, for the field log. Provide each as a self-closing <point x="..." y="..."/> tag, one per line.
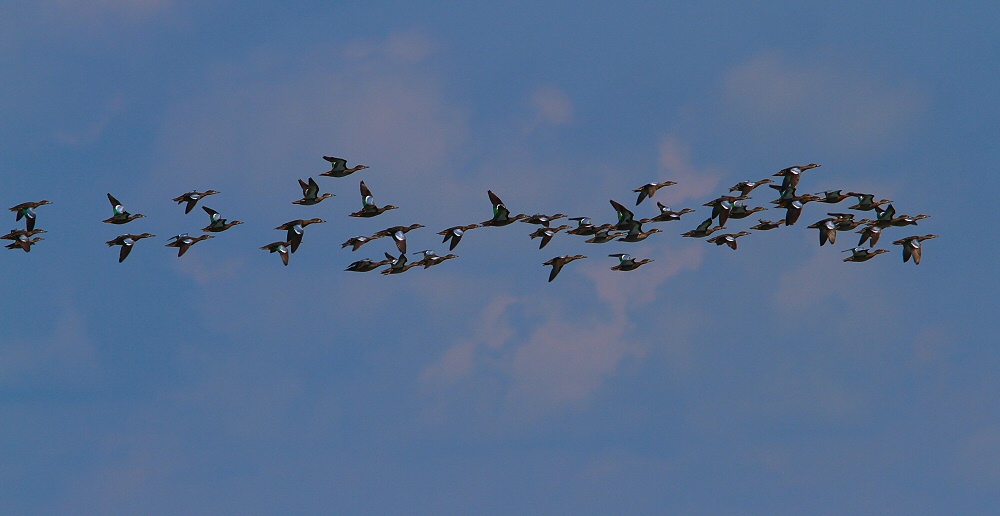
<point x="366" y="195"/>
<point x="124" y="252"/>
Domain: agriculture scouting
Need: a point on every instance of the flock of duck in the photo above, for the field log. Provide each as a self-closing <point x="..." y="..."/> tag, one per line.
<point x="628" y="228"/>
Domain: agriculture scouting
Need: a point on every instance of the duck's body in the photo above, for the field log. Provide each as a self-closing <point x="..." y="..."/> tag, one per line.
<point x="668" y="215"/>
<point x="338" y="167"/>
<point x="546" y="233"/>
<point x="767" y="225"/>
<point x="216" y="223"/>
<point x="501" y="215"/>
<point x="827" y="230"/>
<point x="295" y="229"/>
<point x="542" y="219"/>
<point x="127" y="241"/>
<point x="603" y="235"/>
<point x="183" y="242"/>
<point x="860" y="254"/>
<point x="912" y="247"/>
<point x="627" y="263"/>
<point x="310" y="193"/>
<point x="648" y="189"/>
<point x="745" y="187"/>
<point x="703" y="230"/>
<point x="366" y="265"/>
<point x="454" y="234"/>
<point x="559" y="262"/>
<point x="728" y="239"/>
<point x="368" y="207"/>
<point x="120" y="216"/>
<point x="192" y="198"/>
<point x="26" y="210"/>
<point x="398" y="234"/>
<point x="24" y="242"/>
<point x="282" y="248"/>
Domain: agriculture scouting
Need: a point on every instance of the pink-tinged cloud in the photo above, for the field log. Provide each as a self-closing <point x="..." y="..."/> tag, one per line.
<point x="622" y="290"/>
<point x="841" y="107"/>
<point x="566" y="359"/>
<point x="492" y="330"/>
<point x="552" y="106"/>
<point x="61" y="355"/>
<point x="676" y="164"/>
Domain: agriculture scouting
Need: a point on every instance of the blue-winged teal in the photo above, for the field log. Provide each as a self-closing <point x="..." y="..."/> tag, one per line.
<point x="871" y="233"/>
<point x="912" y="247"/>
<point x="23" y="241"/>
<point x="127" y="241"/>
<point x="431" y="258"/>
<point x="501" y="215"/>
<point x="559" y="262"/>
<point x="356" y="242"/>
<point x="603" y="235"/>
<point x="183" y="242"/>
<point x="866" y="202"/>
<point x="740" y="210"/>
<point x="627" y="263"/>
<point x="295" y="229"/>
<point x="192" y="198"/>
<point x="120" y="216"/>
<point x="398" y="234"/>
<point x="648" y="189"/>
<point x="667" y="215"/>
<point x="282" y="248"/>
<point x="745" y="187"/>
<point x="546" y="233"/>
<point x="310" y="193"/>
<point x="860" y="254"/>
<point x="703" y="230"/>
<point x="398" y="265"/>
<point x="339" y="167"/>
<point x="827" y="230"/>
<point x="541" y="219"/>
<point x="368" y="207"/>
<point x="767" y="225"/>
<point x="26" y="210"/>
<point x="722" y="206"/>
<point x="366" y="265"/>
<point x="636" y="234"/>
<point x="728" y="239"/>
<point x="217" y="224"/>
<point x="791" y="175"/>
<point x="833" y="196"/>
<point x="455" y="233"/>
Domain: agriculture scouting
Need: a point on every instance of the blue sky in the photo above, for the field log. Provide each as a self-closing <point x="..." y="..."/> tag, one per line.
<point x="773" y="379"/>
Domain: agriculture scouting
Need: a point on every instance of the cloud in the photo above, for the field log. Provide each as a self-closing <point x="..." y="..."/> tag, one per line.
<point x="65" y="357"/>
<point x="98" y="12"/>
<point x="692" y="182"/>
<point x="552" y="106"/>
<point x="819" y="102"/>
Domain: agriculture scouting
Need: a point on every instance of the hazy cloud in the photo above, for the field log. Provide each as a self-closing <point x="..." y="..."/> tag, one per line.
<point x="845" y="108"/>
